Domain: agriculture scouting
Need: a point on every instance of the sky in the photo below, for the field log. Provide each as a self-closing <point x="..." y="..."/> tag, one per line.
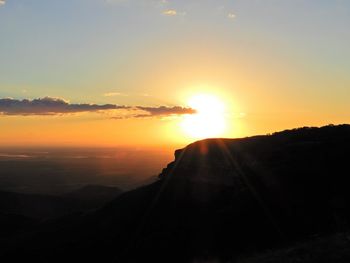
<point x="123" y="72"/>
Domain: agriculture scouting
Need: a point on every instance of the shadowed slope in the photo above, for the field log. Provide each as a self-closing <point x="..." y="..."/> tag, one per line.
<point x="218" y="199"/>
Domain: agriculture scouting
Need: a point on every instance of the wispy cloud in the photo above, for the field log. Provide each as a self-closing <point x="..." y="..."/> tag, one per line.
<point x="114" y="94"/>
<point x="170" y="12"/>
<point x="49" y="106"/>
<point x="173" y="8"/>
<point x="58" y="106"/>
<point x="164" y="111"/>
<point x="2" y="2"/>
<point x="231" y="15"/>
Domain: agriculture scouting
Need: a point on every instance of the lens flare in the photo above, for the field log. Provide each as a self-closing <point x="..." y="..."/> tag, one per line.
<point x="209" y="120"/>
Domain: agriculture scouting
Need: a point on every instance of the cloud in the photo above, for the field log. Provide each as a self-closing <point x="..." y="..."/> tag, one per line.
<point x="170" y="12"/>
<point x="49" y="106"/>
<point x="2" y="2"/>
<point x="164" y="111"/>
<point x="231" y="15"/>
<point x="58" y="106"/>
<point x="164" y="6"/>
<point x="113" y="94"/>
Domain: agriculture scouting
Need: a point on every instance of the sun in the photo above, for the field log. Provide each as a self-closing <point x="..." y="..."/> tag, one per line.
<point x="208" y="121"/>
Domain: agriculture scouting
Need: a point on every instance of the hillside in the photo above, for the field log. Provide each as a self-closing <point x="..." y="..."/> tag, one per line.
<point x="219" y="199"/>
<point x="94" y="195"/>
<point x="38" y="206"/>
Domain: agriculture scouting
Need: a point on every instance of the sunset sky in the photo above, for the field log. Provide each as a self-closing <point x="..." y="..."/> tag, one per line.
<point x="141" y="72"/>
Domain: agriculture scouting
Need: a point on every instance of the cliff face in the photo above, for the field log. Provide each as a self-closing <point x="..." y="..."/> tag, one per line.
<point x="288" y="166"/>
<point x="208" y="161"/>
<point x="220" y="198"/>
<point x="293" y="183"/>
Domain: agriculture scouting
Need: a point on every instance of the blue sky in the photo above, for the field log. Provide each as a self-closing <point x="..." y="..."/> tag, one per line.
<point x="47" y="46"/>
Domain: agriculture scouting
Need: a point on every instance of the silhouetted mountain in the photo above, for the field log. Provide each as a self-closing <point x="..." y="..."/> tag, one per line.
<point x="94" y="195"/>
<point x="11" y="224"/>
<point x="219" y="199"/>
<point x="37" y="206"/>
<point x="318" y="249"/>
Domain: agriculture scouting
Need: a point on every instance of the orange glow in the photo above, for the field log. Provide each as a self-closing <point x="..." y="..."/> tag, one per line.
<point x="209" y="121"/>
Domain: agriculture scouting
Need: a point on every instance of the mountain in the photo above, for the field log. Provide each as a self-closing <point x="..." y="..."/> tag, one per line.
<point x="37" y="206"/>
<point x="11" y="224"/>
<point x="219" y="199"/>
<point x="94" y="195"/>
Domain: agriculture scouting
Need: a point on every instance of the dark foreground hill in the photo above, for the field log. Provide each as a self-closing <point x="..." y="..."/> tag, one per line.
<point x="218" y="200"/>
<point x="93" y="196"/>
<point x="38" y="206"/>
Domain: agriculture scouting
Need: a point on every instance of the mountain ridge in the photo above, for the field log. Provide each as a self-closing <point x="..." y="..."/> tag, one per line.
<point x="219" y="198"/>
